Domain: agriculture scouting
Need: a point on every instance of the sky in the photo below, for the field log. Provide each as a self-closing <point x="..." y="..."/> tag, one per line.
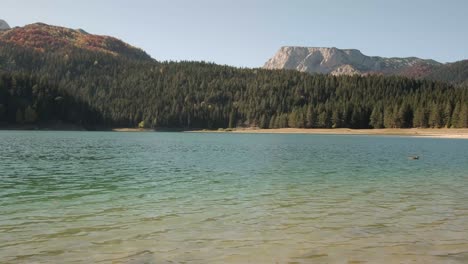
<point x="246" y="33"/>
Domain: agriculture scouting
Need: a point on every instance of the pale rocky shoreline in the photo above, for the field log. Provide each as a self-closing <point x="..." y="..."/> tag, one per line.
<point x="455" y="133"/>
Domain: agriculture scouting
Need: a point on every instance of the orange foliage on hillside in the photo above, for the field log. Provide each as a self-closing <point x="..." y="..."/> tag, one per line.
<point x="44" y="37"/>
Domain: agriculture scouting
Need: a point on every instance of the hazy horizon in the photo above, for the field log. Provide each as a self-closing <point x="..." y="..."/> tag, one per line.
<point x="247" y="34"/>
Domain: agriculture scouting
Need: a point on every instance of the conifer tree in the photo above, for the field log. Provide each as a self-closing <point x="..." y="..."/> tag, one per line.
<point x="376" y="118"/>
<point x="420" y="118"/>
<point x="435" y="117"/>
<point x="463" y="116"/>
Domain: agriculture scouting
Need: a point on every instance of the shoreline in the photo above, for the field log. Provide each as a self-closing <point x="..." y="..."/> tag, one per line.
<point x="452" y="133"/>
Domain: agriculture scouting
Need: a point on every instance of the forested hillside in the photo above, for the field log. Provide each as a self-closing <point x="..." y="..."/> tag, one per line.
<point x="94" y="89"/>
<point x="456" y="73"/>
<point x="28" y="100"/>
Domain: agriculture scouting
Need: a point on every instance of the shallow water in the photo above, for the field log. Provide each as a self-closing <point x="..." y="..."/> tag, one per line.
<point x="87" y="197"/>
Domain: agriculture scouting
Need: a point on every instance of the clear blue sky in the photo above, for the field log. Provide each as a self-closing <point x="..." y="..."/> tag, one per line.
<point x="248" y="32"/>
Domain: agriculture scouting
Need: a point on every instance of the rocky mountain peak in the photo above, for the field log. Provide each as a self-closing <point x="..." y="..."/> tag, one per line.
<point x="344" y="62"/>
<point x="4" y="25"/>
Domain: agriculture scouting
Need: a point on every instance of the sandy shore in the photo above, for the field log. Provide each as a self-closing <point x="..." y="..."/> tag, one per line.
<point x="126" y="129"/>
<point x="461" y="133"/>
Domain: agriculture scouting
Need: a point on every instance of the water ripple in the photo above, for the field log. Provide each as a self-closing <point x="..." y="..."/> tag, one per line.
<point x="89" y="197"/>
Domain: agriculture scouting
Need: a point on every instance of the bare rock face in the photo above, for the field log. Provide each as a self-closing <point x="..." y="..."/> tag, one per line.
<point x="345" y="70"/>
<point x="342" y="62"/>
<point x="4" y="25"/>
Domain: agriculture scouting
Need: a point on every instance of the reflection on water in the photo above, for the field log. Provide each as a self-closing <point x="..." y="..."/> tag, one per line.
<point x="226" y="198"/>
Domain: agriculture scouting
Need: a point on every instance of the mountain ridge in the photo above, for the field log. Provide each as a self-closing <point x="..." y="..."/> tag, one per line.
<point x="336" y="61"/>
<point x="46" y="38"/>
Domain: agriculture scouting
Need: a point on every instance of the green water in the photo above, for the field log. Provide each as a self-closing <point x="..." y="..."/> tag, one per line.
<point x="87" y="197"/>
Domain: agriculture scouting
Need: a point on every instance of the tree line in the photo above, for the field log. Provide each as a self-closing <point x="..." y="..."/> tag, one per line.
<point x="93" y="89"/>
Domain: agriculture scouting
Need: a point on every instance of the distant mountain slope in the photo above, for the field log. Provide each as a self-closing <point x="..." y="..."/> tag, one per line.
<point x="47" y="38"/>
<point x="456" y="72"/>
<point x="350" y="61"/>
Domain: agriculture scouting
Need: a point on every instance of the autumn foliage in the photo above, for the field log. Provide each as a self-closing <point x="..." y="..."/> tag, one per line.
<point x="42" y="37"/>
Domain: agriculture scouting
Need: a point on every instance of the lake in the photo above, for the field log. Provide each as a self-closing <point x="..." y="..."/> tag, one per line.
<point x="108" y="197"/>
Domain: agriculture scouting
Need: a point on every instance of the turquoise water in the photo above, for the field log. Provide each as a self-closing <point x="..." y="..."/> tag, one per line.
<point x="87" y="197"/>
